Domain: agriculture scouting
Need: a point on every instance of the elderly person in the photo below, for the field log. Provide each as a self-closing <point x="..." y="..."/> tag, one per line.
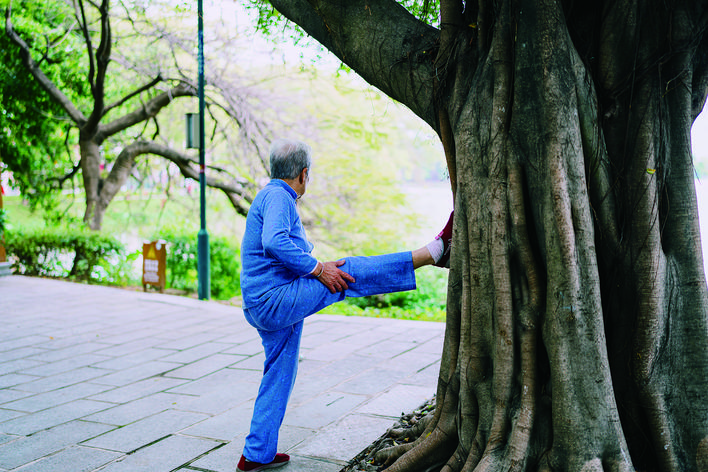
<point x="282" y="284"/>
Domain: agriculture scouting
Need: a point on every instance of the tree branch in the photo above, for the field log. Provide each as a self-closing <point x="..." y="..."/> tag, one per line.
<point x="147" y="111"/>
<point x="102" y="59"/>
<point x="142" y="89"/>
<point x="240" y="194"/>
<point x="34" y="69"/>
<point x="380" y="40"/>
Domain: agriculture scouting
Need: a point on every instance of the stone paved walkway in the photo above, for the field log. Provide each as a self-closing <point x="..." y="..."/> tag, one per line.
<point x="96" y="378"/>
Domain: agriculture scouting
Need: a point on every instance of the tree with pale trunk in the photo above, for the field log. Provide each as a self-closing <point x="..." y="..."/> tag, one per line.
<point x="577" y="321"/>
<point x="134" y="70"/>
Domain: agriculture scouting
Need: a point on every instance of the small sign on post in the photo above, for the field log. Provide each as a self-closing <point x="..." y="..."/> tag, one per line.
<point x="154" y="262"/>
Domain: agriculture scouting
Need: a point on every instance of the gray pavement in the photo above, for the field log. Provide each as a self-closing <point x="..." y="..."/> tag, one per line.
<point x="97" y="378"/>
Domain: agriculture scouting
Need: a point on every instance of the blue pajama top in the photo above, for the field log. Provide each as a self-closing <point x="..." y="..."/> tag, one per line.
<point x="275" y="250"/>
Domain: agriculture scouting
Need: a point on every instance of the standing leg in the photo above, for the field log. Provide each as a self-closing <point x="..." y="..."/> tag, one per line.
<point x="282" y="349"/>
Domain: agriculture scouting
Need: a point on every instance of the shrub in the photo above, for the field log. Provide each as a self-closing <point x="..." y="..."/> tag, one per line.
<point x="63" y="252"/>
<point x="181" y="268"/>
<point x="3" y="220"/>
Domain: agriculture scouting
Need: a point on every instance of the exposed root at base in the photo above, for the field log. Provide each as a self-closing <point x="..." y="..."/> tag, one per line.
<point x="402" y="433"/>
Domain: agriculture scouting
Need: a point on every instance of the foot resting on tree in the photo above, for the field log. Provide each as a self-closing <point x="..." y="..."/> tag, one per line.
<point x="439" y="247"/>
<point x="244" y="465"/>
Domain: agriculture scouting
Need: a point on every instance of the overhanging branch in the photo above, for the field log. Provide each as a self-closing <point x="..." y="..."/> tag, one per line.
<point x="34" y="69"/>
<point x="380" y="40"/>
<point x="147" y="111"/>
<point x="142" y="89"/>
<point x="239" y="193"/>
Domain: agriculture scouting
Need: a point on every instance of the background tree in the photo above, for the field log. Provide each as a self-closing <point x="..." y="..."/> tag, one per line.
<point x="577" y="329"/>
<point x="109" y="96"/>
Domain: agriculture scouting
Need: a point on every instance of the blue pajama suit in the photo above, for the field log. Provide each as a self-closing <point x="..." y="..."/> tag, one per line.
<point x="279" y="293"/>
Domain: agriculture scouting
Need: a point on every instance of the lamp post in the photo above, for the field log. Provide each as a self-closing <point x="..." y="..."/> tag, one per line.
<point x="203" y="266"/>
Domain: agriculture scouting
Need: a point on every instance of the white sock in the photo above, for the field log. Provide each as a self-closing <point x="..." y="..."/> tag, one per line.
<point x="436" y="248"/>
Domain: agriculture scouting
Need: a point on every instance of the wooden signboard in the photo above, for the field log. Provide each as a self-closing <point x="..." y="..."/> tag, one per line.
<point x="154" y="262"/>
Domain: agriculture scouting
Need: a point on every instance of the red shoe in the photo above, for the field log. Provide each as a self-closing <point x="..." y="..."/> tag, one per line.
<point x="248" y="466"/>
<point x="446" y="236"/>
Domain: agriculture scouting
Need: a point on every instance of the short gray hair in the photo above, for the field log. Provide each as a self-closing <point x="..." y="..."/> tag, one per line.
<point x="288" y="158"/>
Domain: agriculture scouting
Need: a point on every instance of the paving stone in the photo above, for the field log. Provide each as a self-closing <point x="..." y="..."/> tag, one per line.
<point x="29" y="448"/>
<point x="224" y="426"/>
<point x="135" y="337"/>
<point x="72" y="459"/>
<point x="371" y="382"/>
<point x="6" y="415"/>
<point x="342" y="369"/>
<point x="323" y="410"/>
<point x="6" y="438"/>
<point x="195" y="353"/>
<point x="223" y="459"/>
<point x="304" y="367"/>
<point x="137" y="390"/>
<point x="8" y="395"/>
<point x="12" y="344"/>
<point x="137" y="409"/>
<point x="434" y="346"/>
<point x="64" y="379"/>
<point x="130" y="347"/>
<point x="205" y="366"/>
<point x="54" y="355"/>
<point x="51" y="417"/>
<point x="218" y="401"/>
<point x="23" y="352"/>
<point x="252" y="362"/>
<point x="400" y="399"/>
<point x="386" y="349"/>
<point x="290" y="437"/>
<point x="164" y="456"/>
<point x="307" y="464"/>
<point x="222" y="379"/>
<point x="420" y="335"/>
<point x="250" y="348"/>
<point x="427" y="377"/>
<point x="411" y="361"/>
<point x="333" y="350"/>
<point x="345" y="439"/>
<point x="17" y="365"/>
<point x="145" y="431"/>
<point x="308" y="386"/>
<point x="241" y="332"/>
<point x="46" y="400"/>
<point x="189" y="340"/>
<point x="136" y="373"/>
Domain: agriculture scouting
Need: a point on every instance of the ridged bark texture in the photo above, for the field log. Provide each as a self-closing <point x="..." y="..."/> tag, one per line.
<point x="577" y="334"/>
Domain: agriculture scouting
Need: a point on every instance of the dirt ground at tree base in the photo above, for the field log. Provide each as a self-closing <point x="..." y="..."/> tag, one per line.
<point x="364" y="461"/>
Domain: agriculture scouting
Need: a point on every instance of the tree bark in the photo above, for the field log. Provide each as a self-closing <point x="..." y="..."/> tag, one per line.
<point x="576" y="325"/>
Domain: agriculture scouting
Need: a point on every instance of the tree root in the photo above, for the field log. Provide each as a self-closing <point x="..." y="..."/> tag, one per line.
<point x="395" y="442"/>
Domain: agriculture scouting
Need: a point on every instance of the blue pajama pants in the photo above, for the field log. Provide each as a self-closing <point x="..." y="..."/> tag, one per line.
<point x="279" y="322"/>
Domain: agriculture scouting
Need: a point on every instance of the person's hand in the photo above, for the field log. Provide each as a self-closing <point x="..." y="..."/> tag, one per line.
<point x="334" y="278"/>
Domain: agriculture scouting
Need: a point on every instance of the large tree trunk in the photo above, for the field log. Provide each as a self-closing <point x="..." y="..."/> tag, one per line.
<point x="577" y="334"/>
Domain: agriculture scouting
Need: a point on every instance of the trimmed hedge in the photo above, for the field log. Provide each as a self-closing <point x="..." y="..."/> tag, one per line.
<point x="60" y="252"/>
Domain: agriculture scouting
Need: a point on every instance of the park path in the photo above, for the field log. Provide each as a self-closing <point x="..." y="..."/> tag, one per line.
<point x="98" y="378"/>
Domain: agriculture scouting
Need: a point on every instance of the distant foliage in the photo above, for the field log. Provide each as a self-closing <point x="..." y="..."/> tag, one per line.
<point x="63" y="252"/>
<point x="181" y="270"/>
<point x="426" y="303"/>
